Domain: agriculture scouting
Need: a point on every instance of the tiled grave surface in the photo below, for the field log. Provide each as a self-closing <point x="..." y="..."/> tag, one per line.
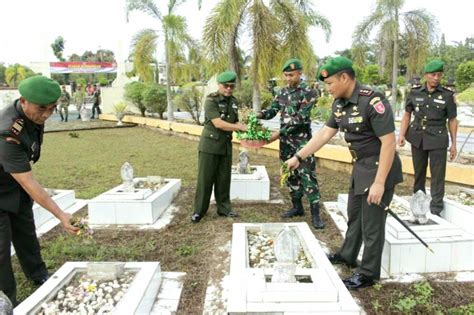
<point x="105" y="209"/>
<point x="251" y="187"/>
<point x="403" y="253"/>
<point x="250" y="292"/>
<point x="151" y="292"/>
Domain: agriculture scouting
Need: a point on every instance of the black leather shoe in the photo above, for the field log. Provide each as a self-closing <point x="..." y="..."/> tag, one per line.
<point x="358" y="281"/>
<point x="195" y="218"/>
<point x="231" y="214"/>
<point x="336" y="259"/>
<point x="41" y="281"/>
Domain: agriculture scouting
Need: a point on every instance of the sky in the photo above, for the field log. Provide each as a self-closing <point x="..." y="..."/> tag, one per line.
<point x="28" y="27"/>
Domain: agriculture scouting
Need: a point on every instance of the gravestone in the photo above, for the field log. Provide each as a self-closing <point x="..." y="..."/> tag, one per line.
<point x="6" y="307"/>
<point x="137" y="201"/>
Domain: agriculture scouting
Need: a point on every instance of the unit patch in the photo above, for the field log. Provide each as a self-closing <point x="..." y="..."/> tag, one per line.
<point x="17" y="126"/>
<point x="378" y="105"/>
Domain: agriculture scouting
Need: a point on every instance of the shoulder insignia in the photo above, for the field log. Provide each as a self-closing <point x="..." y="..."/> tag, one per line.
<point x="213" y="94"/>
<point x="17" y="126"/>
<point x="448" y="88"/>
<point x="416" y="86"/>
<point x="365" y="92"/>
<point x="378" y="105"/>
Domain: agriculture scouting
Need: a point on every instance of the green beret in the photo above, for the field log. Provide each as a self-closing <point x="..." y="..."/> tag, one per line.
<point x="292" y="64"/>
<point x="226" y="76"/>
<point x="434" y="66"/>
<point x="39" y="90"/>
<point x="333" y="66"/>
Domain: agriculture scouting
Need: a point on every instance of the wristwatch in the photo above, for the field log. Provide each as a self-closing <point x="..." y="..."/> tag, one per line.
<point x="298" y="157"/>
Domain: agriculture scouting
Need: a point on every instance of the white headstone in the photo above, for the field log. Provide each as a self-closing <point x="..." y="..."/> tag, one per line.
<point x="127" y="176"/>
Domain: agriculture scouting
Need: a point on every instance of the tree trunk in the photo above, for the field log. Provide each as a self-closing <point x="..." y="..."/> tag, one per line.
<point x="168" y="81"/>
<point x="256" y="101"/>
<point x="393" y="100"/>
<point x="234" y="58"/>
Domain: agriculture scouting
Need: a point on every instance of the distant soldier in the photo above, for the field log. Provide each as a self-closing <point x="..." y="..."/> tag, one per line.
<point x="215" y="149"/>
<point x="432" y="105"/>
<point x="64" y="101"/>
<point x="295" y="103"/>
<point x="97" y="101"/>
<point x="79" y="99"/>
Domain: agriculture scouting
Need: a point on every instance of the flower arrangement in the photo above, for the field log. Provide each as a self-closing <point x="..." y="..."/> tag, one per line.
<point x="256" y="135"/>
<point x="284" y="174"/>
<point x="84" y="229"/>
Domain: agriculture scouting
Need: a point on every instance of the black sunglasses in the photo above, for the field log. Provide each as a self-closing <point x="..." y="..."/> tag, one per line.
<point x="226" y="85"/>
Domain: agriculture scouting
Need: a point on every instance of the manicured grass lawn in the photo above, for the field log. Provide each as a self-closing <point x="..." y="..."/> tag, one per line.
<point x="90" y="164"/>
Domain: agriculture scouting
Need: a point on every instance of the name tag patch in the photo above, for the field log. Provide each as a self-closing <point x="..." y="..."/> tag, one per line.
<point x="419" y="99"/>
<point x="356" y="120"/>
<point x="439" y="101"/>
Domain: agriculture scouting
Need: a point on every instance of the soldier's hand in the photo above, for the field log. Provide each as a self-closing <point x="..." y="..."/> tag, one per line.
<point x="241" y="127"/>
<point x="401" y="141"/>
<point x="292" y="163"/>
<point x="375" y="193"/>
<point x="275" y="135"/>
<point x="65" y="219"/>
<point x="452" y="153"/>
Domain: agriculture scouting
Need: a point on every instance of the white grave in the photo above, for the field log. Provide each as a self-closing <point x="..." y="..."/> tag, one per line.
<point x="141" y="297"/>
<point x="318" y="289"/>
<point x="452" y="246"/>
<point x="64" y="199"/>
<point x="141" y="206"/>
<point x="250" y="187"/>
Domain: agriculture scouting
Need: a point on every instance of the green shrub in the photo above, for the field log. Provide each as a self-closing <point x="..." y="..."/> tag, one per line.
<point x="154" y="98"/>
<point x="467" y="96"/>
<point x="465" y="75"/>
<point x="134" y="94"/>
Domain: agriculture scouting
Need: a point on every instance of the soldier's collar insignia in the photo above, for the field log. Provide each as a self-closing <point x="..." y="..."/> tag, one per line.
<point x="17" y="126"/>
<point x="337" y="114"/>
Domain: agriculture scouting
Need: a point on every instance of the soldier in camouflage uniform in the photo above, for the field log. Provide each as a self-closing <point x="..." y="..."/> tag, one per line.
<point x="295" y="103"/>
<point x="79" y="99"/>
<point x="64" y="103"/>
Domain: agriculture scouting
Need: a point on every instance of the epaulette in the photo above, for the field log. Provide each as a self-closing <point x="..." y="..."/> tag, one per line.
<point x="17" y="126"/>
<point x="214" y="94"/>
<point x="448" y="88"/>
<point x="366" y="92"/>
<point x="416" y="86"/>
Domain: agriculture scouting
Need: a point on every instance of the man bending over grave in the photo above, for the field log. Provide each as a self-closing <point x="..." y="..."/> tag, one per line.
<point x="21" y="135"/>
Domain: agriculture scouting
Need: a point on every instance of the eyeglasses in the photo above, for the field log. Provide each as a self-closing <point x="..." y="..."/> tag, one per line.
<point x="226" y="86"/>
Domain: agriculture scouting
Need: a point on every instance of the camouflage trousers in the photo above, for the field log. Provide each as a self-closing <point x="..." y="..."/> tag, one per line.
<point x="303" y="179"/>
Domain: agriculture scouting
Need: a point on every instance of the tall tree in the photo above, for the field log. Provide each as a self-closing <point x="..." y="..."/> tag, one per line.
<point x="416" y="26"/>
<point x="167" y="22"/>
<point x="278" y="30"/>
<point x="16" y="73"/>
<point x="58" y="48"/>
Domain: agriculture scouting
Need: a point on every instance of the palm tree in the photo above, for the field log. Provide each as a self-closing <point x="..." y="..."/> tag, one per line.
<point x="15" y="74"/>
<point x="144" y="48"/>
<point x="172" y="34"/>
<point x="417" y="26"/>
<point x="278" y="30"/>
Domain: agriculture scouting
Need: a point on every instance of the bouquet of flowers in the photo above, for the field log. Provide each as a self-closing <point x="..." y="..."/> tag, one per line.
<point x="84" y="229"/>
<point x="256" y="135"/>
<point x="284" y="174"/>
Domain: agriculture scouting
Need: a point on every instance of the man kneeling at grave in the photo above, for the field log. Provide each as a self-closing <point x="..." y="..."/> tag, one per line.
<point x="21" y="135"/>
<point x="366" y="119"/>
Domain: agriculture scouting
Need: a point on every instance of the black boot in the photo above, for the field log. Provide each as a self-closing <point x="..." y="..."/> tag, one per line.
<point x="297" y="209"/>
<point x="317" y="222"/>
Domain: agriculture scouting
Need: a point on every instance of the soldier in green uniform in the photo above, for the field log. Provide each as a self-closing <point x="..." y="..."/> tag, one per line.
<point x="21" y="135"/>
<point x="79" y="99"/>
<point x="366" y="119"/>
<point x="432" y="105"/>
<point x="64" y="103"/>
<point x="215" y="149"/>
<point x="295" y="103"/>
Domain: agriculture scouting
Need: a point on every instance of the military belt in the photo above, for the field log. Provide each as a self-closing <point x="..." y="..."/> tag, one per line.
<point x="362" y="154"/>
<point x="425" y="123"/>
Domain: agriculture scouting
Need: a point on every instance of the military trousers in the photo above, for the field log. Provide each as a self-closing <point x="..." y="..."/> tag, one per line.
<point x="19" y="229"/>
<point x="64" y="108"/>
<point x="96" y="107"/>
<point x="366" y="224"/>
<point x="438" y="160"/>
<point x="214" y="171"/>
<point x="303" y="180"/>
